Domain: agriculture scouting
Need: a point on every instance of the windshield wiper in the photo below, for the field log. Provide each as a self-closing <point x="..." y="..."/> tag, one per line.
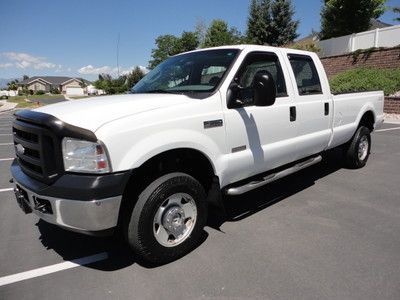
<point x="159" y="91"/>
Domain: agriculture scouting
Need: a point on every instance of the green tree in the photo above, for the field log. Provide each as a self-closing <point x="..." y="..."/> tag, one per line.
<point x="218" y="34"/>
<point x="133" y="77"/>
<point x="187" y="42"/>
<point x="283" y="27"/>
<point x="259" y="22"/>
<point x="25" y="77"/>
<point x="12" y="85"/>
<point x="271" y="22"/>
<point x="169" y="45"/>
<point x="83" y="83"/>
<point x="343" y="17"/>
<point x="165" y="47"/>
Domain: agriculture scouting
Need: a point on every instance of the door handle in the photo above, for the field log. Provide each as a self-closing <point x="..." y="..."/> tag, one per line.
<point x="292" y="113"/>
<point x="326" y="108"/>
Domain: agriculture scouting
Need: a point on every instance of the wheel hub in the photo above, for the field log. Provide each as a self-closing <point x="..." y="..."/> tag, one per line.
<point x="174" y="220"/>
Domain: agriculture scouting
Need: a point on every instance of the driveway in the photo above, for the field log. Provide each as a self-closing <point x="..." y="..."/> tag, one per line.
<point x="323" y="233"/>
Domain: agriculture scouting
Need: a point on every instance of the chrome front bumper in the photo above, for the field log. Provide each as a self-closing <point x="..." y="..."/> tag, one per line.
<point x="82" y="216"/>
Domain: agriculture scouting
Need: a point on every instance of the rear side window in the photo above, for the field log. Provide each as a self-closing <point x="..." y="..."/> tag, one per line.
<point x="306" y="74"/>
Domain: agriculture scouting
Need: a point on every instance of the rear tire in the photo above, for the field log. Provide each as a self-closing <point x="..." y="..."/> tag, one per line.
<point x="168" y="219"/>
<point x="357" y="152"/>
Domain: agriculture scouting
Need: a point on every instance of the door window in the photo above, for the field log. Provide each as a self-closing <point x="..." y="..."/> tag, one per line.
<point x="306" y="75"/>
<point x="256" y="63"/>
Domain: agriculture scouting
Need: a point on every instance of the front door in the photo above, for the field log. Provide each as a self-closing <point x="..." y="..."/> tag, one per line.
<point x="259" y="138"/>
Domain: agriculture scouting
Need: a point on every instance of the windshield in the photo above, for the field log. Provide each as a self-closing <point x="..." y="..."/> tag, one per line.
<point x="197" y="72"/>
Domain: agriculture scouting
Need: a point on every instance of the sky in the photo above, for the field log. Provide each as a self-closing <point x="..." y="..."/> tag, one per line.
<point x="79" y="38"/>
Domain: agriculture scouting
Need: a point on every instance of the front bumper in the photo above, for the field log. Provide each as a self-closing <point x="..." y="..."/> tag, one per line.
<point x="84" y="203"/>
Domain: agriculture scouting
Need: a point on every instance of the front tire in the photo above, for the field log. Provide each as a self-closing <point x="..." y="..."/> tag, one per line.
<point x="168" y="219"/>
<point x="357" y="153"/>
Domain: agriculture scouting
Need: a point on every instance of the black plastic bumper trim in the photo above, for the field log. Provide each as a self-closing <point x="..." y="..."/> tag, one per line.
<point x="80" y="187"/>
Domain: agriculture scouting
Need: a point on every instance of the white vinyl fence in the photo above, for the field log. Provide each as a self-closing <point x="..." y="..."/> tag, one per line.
<point x="383" y="37"/>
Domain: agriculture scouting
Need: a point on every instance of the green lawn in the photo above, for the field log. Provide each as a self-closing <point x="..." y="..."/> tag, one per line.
<point x="36" y="97"/>
<point x="22" y="103"/>
<point x="80" y="97"/>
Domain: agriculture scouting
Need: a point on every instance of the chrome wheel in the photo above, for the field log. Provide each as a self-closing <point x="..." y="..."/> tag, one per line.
<point x="363" y="148"/>
<point x="175" y="219"/>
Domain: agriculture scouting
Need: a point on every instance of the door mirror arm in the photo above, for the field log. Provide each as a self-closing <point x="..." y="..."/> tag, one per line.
<point x="233" y="95"/>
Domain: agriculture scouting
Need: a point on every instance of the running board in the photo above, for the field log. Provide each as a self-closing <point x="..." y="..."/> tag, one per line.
<point x="272" y="177"/>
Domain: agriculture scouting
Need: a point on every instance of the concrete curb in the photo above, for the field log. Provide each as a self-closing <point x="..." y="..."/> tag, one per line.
<point x="7" y="106"/>
<point x="392" y="118"/>
<point x="392" y="122"/>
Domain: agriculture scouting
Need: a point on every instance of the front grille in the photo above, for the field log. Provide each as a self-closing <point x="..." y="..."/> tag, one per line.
<point x="37" y="150"/>
<point x="28" y="136"/>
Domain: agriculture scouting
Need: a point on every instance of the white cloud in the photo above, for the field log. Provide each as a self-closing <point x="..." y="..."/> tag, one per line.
<point x="25" y="60"/>
<point x="127" y="71"/>
<point x="6" y="65"/>
<point x="90" y="69"/>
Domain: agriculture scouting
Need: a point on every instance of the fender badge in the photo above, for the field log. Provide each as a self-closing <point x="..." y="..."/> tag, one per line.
<point x="213" y="123"/>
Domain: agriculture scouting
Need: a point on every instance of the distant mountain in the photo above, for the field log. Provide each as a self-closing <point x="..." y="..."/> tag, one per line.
<point x="4" y="81"/>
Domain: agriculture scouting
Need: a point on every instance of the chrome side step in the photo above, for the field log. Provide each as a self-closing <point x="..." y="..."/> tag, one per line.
<point x="272" y="177"/>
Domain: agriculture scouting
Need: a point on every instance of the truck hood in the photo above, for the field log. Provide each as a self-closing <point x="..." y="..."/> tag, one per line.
<point x="92" y="113"/>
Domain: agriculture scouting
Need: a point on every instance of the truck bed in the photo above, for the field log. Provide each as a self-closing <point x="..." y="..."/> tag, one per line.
<point x="348" y="109"/>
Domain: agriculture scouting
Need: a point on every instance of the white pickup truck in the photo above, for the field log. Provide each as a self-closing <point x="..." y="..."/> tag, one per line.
<point x="209" y="122"/>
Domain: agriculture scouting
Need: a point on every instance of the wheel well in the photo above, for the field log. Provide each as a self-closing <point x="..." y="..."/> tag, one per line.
<point x="368" y="120"/>
<point x="184" y="160"/>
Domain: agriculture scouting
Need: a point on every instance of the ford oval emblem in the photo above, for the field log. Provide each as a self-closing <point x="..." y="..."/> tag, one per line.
<point x="20" y="149"/>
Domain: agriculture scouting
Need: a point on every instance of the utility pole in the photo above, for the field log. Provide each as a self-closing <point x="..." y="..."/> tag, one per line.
<point x="118" y="55"/>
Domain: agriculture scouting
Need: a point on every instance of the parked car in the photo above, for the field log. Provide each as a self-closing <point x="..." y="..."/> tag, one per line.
<point x="202" y="124"/>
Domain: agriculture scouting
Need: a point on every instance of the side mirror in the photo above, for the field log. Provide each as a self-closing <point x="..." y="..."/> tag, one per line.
<point x="264" y="89"/>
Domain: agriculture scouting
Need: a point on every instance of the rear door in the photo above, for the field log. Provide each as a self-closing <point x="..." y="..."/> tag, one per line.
<point x="312" y="105"/>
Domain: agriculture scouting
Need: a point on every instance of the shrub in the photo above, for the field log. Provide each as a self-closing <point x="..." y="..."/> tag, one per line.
<point x="39" y="93"/>
<point x="308" y="46"/>
<point x="367" y="79"/>
<point x="23" y="92"/>
<point x="54" y="91"/>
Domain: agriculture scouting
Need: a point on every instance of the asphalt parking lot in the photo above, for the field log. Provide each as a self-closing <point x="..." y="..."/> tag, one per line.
<point x="324" y="233"/>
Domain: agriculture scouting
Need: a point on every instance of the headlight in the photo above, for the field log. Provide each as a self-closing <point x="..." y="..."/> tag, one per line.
<point x="84" y="157"/>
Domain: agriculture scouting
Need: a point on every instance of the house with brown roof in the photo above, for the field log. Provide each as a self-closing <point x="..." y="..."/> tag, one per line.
<point x="49" y="83"/>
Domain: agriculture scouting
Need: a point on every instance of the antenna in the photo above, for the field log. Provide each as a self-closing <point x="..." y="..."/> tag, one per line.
<point x="118" y="55"/>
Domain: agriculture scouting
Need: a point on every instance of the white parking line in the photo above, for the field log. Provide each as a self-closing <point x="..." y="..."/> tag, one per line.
<point x="388" y="129"/>
<point x="6" y="159"/>
<point x="53" y="268"/>
<point x="2" y="134"/>
<point x="6" y="144"/>
<point x="6" y="190"/>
